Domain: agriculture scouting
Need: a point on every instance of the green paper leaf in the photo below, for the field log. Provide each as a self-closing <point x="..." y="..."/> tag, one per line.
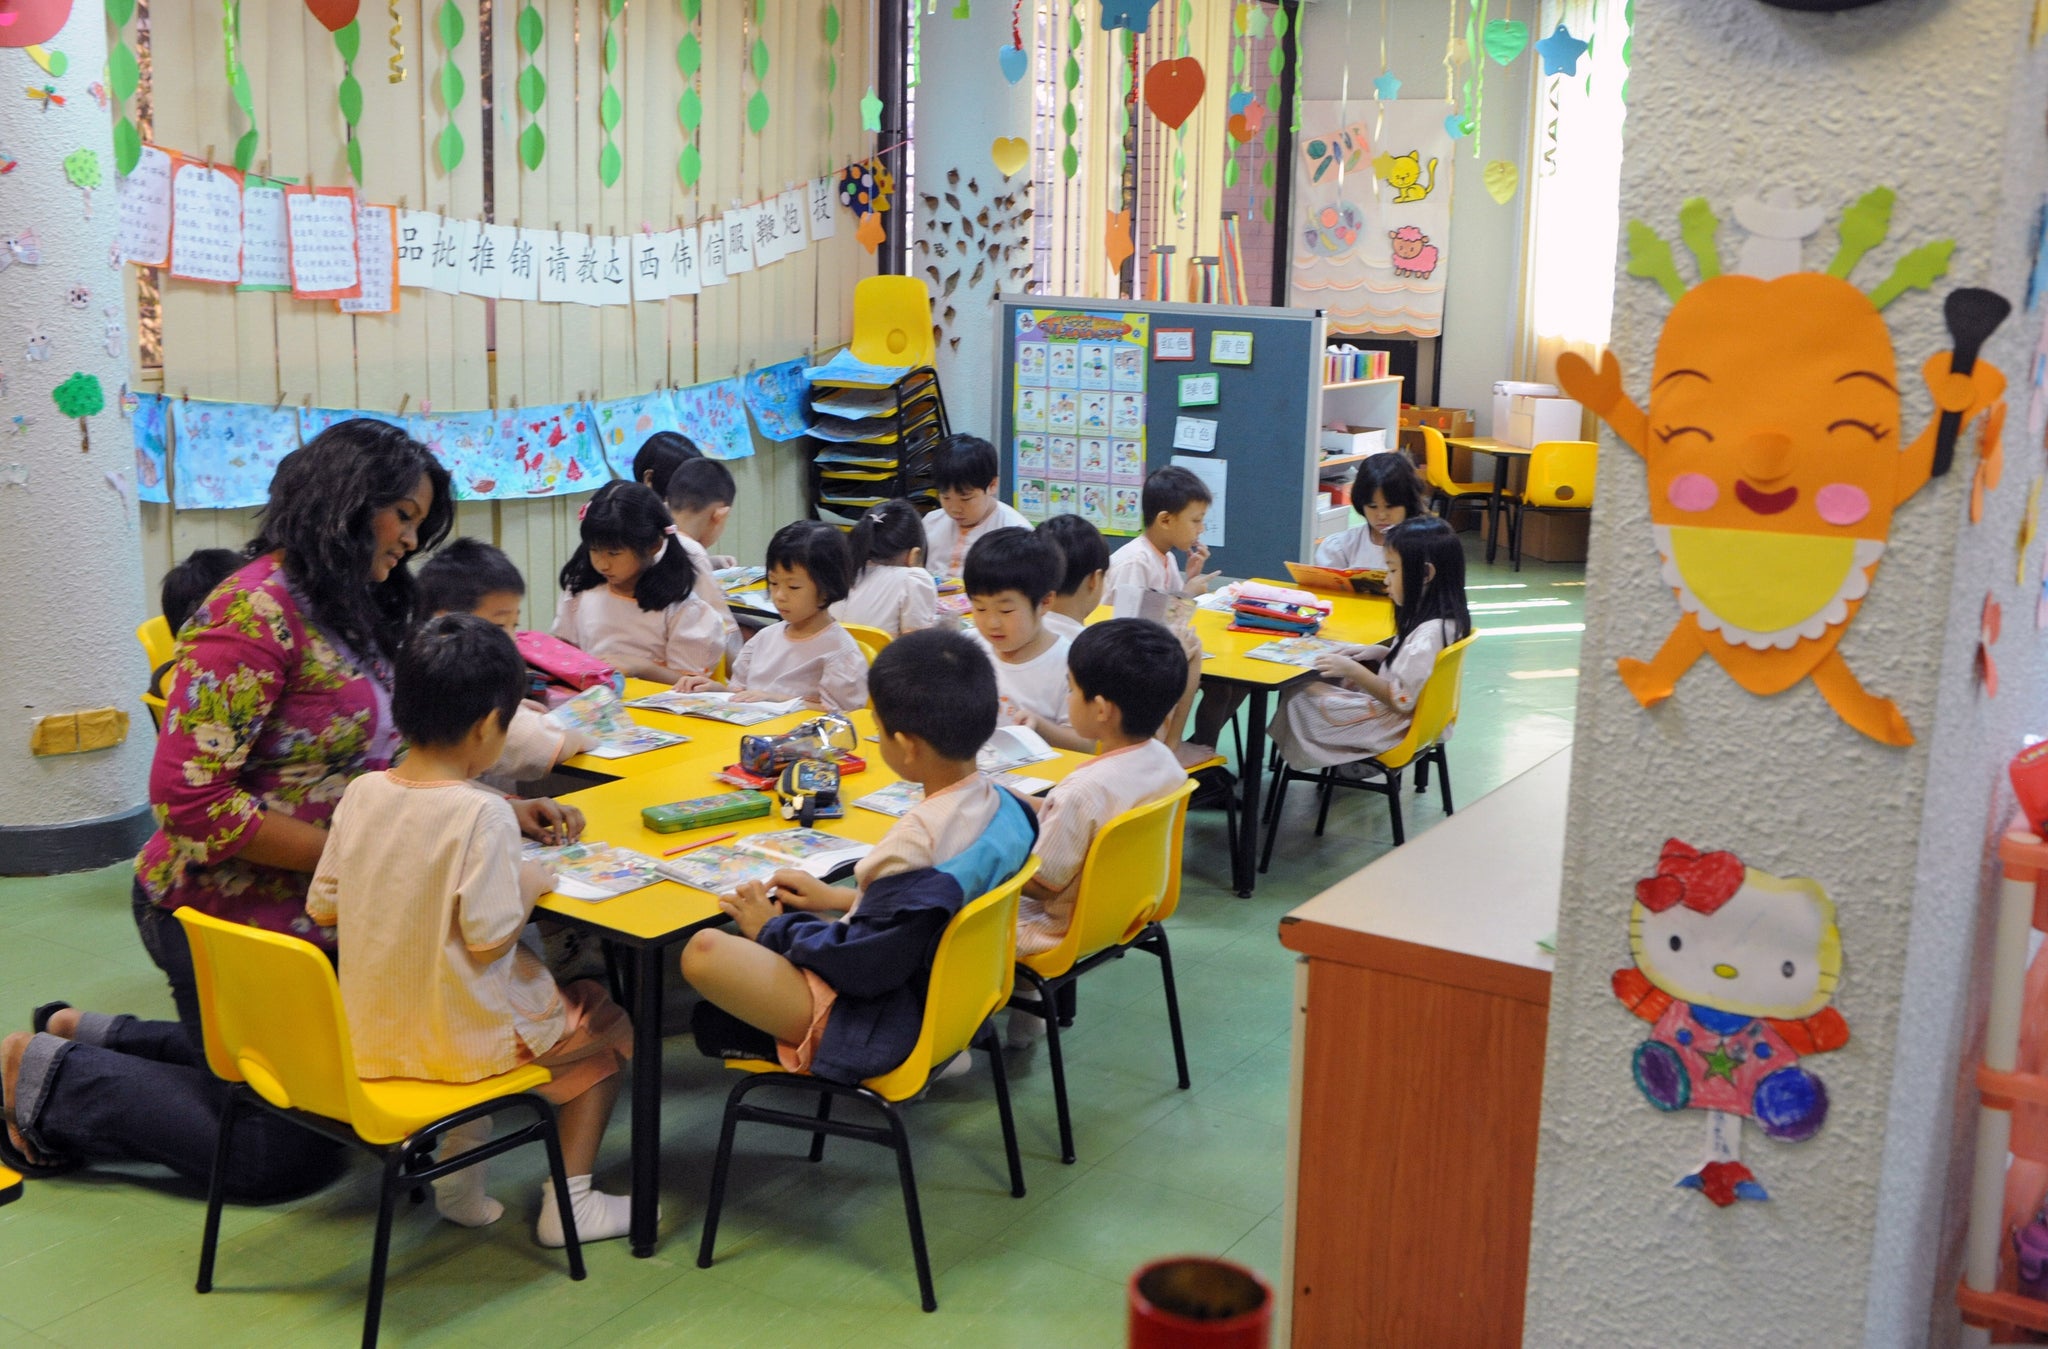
<point x="609" y="163"/>
<point x="1069" y="122"/>
<point x="1697" y="226"/>
<point x="609" y="50"/>
<point x="533" y="89"/>
<point x="244" y="99"/>
<point x="350" y="96"/>
<point x="1272" y="98"/>
<point x="1266" y="209"/>
<point x="1255" y="22"/>
<point x="760" y="59"/>
<point x="448" y="148"/>
<point x="961" y="10"/>
<point x="127" y="147"/>
<point x="1072" y="73"/>
<point x="451" y="87"/>
<point x="448" y="23"/>
<point x="533" y="145"/>
<point x="123" y="74"/>
<point x="1075" y="32"/>
<point x="1649" y="256"/>
<point x="1236" y="61"/>
<point x="349" y="40"/>
<point x="757" y="111"/>
<point x="1230" y="171"/>
<point x="1918" y="270"/>
<point x="614" y="8"/>
<point x="355" y="161"/>
<point x="610" y="109"/>
<point x="831" y="24"/>
<point x="245" y="150"/>
<point x="689" y="164"/>
<point x="870" y="111"/>
<point x="1276" y="61"/>
<point x="532" y="29"/>
<point x="1070" y="161"/>
<point x="1279" y="24"/>
<point x="689" y="55"/>
<point x="831" y="78"/>
<point x="692" y="8"/>
<point x="1864" y="226"/>
<point x="119" y="12"/>
<point x="59" y="63"/>
<point x="690" y="110"/>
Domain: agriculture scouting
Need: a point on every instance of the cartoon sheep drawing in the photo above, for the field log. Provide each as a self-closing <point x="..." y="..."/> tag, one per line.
<point x="1414" y="255"/>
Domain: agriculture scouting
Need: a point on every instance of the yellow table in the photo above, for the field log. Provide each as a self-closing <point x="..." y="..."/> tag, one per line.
<point x="651" y="920"/>
<point x="10" y="1186"/>
<point x="1503" y="454"/>
<point x="705" y="737"/>
<point x="1353" y="618"/>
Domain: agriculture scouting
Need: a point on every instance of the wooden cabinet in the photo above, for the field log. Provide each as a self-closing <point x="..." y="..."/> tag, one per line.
<point x="1418" y="1079"/>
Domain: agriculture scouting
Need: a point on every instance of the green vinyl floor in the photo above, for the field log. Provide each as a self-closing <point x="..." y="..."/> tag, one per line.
<point x="815" y="1256"/>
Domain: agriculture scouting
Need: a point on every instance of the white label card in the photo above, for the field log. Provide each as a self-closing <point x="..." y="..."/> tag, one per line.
<point x="823" y="208"/>
<point x="1215" y="474"/>
<point x="615" y="270"/>
<point x="558" y="265"/>
<point x="711" y="252"/>
<point x="145" y="232"/>
<point x="417" y="231"/>
<point x="378" y="257"/>
<point x="1194" y="433"/>
<point x="739" y="241"/>
<point x="769" y="245"/>
<point x="450" y="244"/>
<point x="206" y="223"/>
<point x="650" y="279"/>
<point x="679" y="261"/>
<point x="482" y="262"/>
<point x="519" y="262"/>
<point x="266" y="256"/>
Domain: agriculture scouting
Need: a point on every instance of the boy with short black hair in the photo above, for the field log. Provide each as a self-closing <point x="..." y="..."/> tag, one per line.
<point x="1176" y="502"/>
<point x="422" y="879"/>
<point x="184" y="588"/>
<point x="1080" y="592"/>
<point x="964" y="468"/>
<point x="1012" y="575"/>
<point x="659" y="456"/>
<point x="700" y="497"/>
<point x="832" y="982"/>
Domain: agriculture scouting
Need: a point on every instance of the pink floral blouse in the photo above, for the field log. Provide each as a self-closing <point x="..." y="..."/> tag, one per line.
<point x="264" y="711"/>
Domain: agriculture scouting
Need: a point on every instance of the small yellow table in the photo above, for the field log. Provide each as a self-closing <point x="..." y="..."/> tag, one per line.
<point x="705" y="737"/>
<point x="1503" y="454"/>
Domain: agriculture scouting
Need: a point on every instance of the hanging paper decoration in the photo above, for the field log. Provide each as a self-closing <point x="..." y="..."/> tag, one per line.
<point x="1010" y="154"/>
<point x="334" y="15"/>
<point x="1734" y="970"/>
<point x="871" y="110"/>
<point x="238" y="81"/>
<point x="1131" y="15"/>
<point x="757" y="106"/>
<point x="397" y="61"/>
<point x="82" y="171"/>
<point x="1070" y="122"/>
<point x="1173" y="89"/>
<point x="531" y="88"/>
<point x="866" y="187"/>
<point x="870" y="232"/>
<point x="1501" y="178"/>
<point x="348" y="40"/>
<point x="611" y="109"/>
<point x="1770" y="541"/>
<point x="1180" y="131"/>
<point x="1388" y="85"/>
<point x="831" y="31"/>
<point x="78" y="398"/>
<point x="690" y="108"/>
<point x="124" y="77"/>
<point x="1560" y="51"/>
<point x="1011" y="60"/>
<point x="1117" y="239"/>
<point x="1126" y="80"/>
<point x="1505" y="40"/>
<point x="448" y="145"/>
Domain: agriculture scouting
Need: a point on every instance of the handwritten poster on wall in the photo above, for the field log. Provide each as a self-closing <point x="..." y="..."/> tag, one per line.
<point x="320" y="223"/>
<point x="145" y="230"/>
<point x="1078" y="415"/>
<point x="377" y="256"/>
<point x="266" y="251"/>
<point x="206" y="223"/>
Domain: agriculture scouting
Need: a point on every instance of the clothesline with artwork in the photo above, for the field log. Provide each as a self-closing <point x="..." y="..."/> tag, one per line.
<point x="227" y="452"/>
<point x="205" y="222"/>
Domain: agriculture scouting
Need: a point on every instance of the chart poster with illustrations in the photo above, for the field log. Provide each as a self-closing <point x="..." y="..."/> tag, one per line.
<point x="1372" y="214"/>
<point x="1078" y="414"/>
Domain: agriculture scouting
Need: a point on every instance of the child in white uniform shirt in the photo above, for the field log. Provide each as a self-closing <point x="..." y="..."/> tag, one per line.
<point x="891" y="589"/>
<point x="628" y="593"/>
<point x="1087" y="559"/>
<point x="807" y="655"/>
<point x="964" y="467"/>
<point x="1011" y="576"/>
<point x="1176" y="503"/>
<point x="1386" y="492"/>
<point x="700" y="497"/>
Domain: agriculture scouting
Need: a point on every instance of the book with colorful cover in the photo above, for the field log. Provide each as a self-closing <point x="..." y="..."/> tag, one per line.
<point x="1013" y="747"/>
<point x="717" y="707"/>
<point x="598" y="714"/>
<point x="739" y="578"/>
<point x="1343" y="580"/>
<point x="724" y="867"/>
<point x="1296" y="651"/>
<point x="899" y="798"/>
<point x="593" y="870"/>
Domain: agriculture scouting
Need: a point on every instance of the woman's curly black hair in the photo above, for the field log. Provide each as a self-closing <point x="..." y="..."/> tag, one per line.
<point x="321" y="501"/>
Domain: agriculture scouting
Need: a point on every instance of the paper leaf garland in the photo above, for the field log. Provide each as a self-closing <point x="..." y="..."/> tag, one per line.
<point x="531" y="88"/>
<point x="448" y="26"/>
<point x="1173" y="89"/>
<point x="348" y="96"/>
<point x="1070" y="75"/>
<point x="690" y="107"/>
<point x="611" y="109"/>
<point x="831" y="31"/>
<point x="757" y="106"/>
<point x="124" y="76"/>
<point x="238" y="81"/>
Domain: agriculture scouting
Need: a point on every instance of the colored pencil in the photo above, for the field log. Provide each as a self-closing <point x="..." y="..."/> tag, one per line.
<point x="715" y="838"/>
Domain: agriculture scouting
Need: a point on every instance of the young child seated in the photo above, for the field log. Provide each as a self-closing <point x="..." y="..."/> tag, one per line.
<point x="1011" y="577"/>
<point x="1386" y="491"/>
<point x="659" y="457"/>
<point x="422" y="880"/>
<point x="1175" y="502"/>
<point x="700" y="497"/>
<point x="832" y="982"/>
<point x="891" y="590"/>
<point x="1361" y="711"/>
<point x="184" y="588"/>
<point x="964" y="468"/>
<point x="1087" y="558"/>
<point x="628" y="593"/>
<point x="807" y="655"/>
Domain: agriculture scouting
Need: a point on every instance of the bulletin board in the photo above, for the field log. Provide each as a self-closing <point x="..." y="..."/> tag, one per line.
<point x="1261" y="428"/>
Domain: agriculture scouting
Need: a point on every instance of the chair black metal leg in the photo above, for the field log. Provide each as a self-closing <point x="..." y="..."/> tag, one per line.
<point x="1394" y="806"/>
<point x="558" y="1176"/>
<point x="818" y="1138"/>
<point x="1326" y="791"/>
<point x="1056" y="1058"/>
<point x="216" y="1190"/>
<point x="380" y="1254"/>
<point x="987" y="1040"/>
<point x="1422" y="772"/>
<point x="1273" y="818"/>
<point x="1154" y="941"/>
<point x="719" y="1166"/>
<point x="1230" y="817"/>
<point x="1443" y="774"/>
<point x="899" y="1140"/>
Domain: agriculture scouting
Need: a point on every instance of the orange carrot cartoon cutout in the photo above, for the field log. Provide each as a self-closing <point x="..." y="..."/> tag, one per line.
<point x="1775" y="456"/>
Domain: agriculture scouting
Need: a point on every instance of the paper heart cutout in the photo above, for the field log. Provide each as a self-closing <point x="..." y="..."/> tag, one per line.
<point x="1459" y="125"/>
<point x="1501" y="179"/>
<point x="1173" y="89"/>
<point x="1010" y="153"/>
<point x="1239" y="131"/>
<point x="334" y="15"/>
<point x="1255" y="116"/>
<point x="1505" y="39"/>
<point x="1014" y="63"/>
<point x="1240" y="100"/>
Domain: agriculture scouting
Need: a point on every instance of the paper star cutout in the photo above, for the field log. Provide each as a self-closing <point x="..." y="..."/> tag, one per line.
<point x="870" y="111"/>
<point x="1387" y="85"/>
<point x="1383" y="164"/>
<point x="1721" y="1063"/>
<point x="870" y="231"/>
<point x="1561" y="52"/>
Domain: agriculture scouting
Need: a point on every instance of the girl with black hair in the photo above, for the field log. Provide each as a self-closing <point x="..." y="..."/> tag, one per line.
<point x="1386" y="491"/>
<point x="892" y="590"/>
<point x="659" y="456"/>
<point x="1363" y="711"/>
<point x="629" y="591"/>
<point x="807" y="655"/>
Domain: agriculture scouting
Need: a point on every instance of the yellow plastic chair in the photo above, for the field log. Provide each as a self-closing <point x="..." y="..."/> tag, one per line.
<point x="1561" y="474"/>
<point x="1446" y="492"/>
<point x="892" y="321"/>
<point x="1130" y="886"/>
<point x="270" y="1008"/>
<point x="972" y="974"/>
<point x="159" y="643"/>
<point x="1436" y="711"/>
<point x="10" y="1185"/>
<point x="871" y="640"/>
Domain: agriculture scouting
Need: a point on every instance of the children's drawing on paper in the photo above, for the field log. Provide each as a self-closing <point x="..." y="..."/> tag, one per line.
<point x="227" y="452"/>
<point x="776" y="396"/>
<point x="715" y="416"/>
<point x="624" y="424"/>
<point x="152" y="481"/>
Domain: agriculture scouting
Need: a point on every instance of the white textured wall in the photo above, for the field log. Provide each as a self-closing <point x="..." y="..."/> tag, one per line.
<point x="70" y="560"/>
<point x="1729" y="96"/>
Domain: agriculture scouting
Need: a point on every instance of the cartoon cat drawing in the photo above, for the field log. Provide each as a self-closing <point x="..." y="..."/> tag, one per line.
<point x="1404" y="175"/>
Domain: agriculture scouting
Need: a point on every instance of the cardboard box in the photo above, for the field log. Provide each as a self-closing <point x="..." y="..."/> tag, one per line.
<point x="1354" y="440"/>
<point x="1528" y="414"/>
<point x="1450" y="421"/>
<point x="1547" y="536"/>
<point x="1333" y="521"/>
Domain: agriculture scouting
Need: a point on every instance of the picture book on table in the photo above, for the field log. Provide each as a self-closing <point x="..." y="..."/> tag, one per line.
<point x="724" y="867"/>
<point x="593" y="870"/>
<point x="1013" y="747"/>
<point x="598" y="713"/>
<point x="1343" y="580"/>
<point x="717" y="707"/>
<point x="899" y="798"/>
<point x="1297" y="651"/>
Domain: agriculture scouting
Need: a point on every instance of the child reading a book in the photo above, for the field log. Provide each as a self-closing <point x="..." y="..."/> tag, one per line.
<point x="700" y="497"/>
<point x="1386" y="492"/>
<point x="1176" y="503"/>
<point x="833" y="982"/>
<point x="964" y="468"/>
<point x="1011" y="577"/>
<point x="891" y="590"/>
<point x="422" y="880"/>
<point x="1087" y="558"/>
<point x="1359" y="712"/>
<point x="807" y="655"/>
<point x="628" y="593"/>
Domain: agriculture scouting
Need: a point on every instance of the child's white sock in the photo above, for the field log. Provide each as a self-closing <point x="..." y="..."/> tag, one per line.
<point x="460" y="1198"/>
<point x="599" y="1216"/>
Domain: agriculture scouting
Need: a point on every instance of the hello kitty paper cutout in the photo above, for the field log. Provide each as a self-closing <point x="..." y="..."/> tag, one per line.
<point x="1734" y="970"/>
<point x="1772" y="439"/>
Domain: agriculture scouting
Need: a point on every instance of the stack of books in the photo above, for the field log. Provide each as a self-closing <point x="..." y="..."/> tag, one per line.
<point x="1277" y="610"/>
